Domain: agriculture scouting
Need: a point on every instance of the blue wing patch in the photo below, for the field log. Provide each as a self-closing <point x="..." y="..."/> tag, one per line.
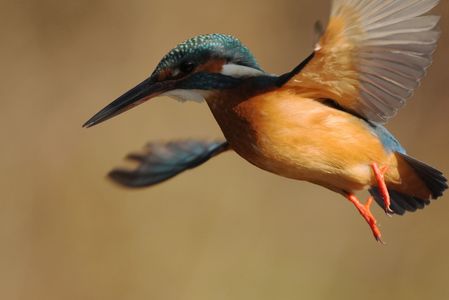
<point x="388" y="140"/>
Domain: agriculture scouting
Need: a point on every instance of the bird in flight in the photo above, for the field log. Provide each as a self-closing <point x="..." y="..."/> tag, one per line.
<point x="322" y="122"/>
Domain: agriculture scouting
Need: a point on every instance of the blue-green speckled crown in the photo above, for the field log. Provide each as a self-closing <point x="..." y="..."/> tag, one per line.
<point x="209" y="45"/>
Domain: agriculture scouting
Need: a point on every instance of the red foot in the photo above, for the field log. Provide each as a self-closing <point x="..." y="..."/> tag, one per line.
<point x="365" y="211"/>
<point x="379" y="174"/>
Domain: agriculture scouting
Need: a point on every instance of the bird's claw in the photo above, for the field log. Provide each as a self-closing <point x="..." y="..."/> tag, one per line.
<point x="379" y="239"/>
<point x="365" y="211"/>
<point x="389" y="212"/>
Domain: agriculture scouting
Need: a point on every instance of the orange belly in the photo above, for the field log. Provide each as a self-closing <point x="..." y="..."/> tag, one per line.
<point x="301" y="138"/>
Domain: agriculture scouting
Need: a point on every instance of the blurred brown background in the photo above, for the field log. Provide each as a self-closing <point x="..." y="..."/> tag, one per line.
<point x="224" y="231"/>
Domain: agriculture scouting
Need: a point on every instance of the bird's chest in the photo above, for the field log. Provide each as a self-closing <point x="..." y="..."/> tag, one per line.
<point x="274" y="131"/>
<point x="295" y="137"/>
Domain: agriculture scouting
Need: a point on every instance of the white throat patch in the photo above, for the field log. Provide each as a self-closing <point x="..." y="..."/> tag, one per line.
<point x="187" y="95"/>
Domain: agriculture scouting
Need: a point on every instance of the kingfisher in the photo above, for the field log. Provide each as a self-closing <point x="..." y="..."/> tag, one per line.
<point x="321" y="122"/>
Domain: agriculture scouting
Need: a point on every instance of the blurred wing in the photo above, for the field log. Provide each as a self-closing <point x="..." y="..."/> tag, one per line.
<point x="162" y="161"/>
<point x="372" y="55"/>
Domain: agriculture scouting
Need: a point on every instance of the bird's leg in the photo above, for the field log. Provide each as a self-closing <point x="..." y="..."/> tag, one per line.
<point x="365" y="211"/>
<point x="379" y="174"/>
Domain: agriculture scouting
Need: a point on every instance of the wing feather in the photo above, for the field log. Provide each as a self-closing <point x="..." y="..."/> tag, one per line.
<point x="372" y="56"/>
<point x="161" y="161"/>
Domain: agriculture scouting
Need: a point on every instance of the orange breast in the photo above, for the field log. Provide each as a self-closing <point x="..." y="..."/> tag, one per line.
<point x="293" y="136"/>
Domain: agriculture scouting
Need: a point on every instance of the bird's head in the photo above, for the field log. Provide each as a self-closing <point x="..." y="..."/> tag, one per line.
<point x="191" y="71"/>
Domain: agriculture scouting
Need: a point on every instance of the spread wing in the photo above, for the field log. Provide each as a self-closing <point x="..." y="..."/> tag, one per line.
<point x="161" y="161"/>
<point x="372" y="55"/>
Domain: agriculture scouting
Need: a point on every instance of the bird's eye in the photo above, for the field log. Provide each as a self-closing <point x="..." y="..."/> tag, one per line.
<point x="187" y="67"/>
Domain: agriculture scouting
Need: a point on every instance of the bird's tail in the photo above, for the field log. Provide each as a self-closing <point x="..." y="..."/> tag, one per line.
<point x="419" y="184"/>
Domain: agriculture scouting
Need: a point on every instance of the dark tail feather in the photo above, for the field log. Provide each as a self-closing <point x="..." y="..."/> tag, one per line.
<point x="434" y="179"/>
<point x="400" y="203"/>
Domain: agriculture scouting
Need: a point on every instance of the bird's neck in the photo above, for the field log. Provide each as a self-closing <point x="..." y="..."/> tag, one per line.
<point x="230" y="109"/>
<point x="249" y="87"/>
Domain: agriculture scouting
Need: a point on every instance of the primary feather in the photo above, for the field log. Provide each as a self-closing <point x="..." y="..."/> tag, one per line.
<point x="372" y="55"/>
<point x="162" y="161"/>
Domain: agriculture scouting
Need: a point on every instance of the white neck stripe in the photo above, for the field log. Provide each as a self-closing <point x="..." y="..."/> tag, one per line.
<point x="239" y="71"/>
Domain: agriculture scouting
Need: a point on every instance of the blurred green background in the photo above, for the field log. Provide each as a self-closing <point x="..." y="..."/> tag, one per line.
<point x="223" y="231"/>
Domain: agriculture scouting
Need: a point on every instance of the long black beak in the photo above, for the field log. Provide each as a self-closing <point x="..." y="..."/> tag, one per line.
<point x="137" y="95"/>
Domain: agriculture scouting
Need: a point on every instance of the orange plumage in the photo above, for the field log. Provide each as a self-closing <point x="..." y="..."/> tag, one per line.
<point x="282" y="137"/>
<point x="321" y="122"/>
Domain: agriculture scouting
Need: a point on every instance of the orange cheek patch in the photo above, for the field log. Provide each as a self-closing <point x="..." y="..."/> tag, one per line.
<point x="212" y="66"/>
<point x="164" y="74"/>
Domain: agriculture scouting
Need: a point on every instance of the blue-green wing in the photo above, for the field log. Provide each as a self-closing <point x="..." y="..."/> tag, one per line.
<point x="163" y="160"/>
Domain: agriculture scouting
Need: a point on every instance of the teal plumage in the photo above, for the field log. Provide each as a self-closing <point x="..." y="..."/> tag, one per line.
<point x="203" y="47"/>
